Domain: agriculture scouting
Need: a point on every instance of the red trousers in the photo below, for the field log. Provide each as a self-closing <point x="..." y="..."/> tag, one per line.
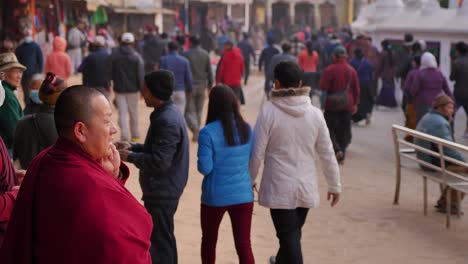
<point x="241" y="220"/>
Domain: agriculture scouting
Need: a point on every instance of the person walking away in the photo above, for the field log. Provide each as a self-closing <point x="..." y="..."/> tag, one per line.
<point x="34" y="102"/>
<point x="200" y="66"/>
<point x="308" y="61"/>
<point x="224" y="146"/>
<point x="427" y="85"/>
<point x="83" y="177"/>
<point x="247" y="52"/>
<point x="264" y="61"/>
<point x="386" y="70"/>
<point x="289" y="183"/>
<point x="76" y="40"/>
<point x="459" y="75"/>
<point x="30" y="55"/>
<point x="11" y="111"/>
<point x="153" y="49"/>
<point x="36" y="132"/>
<point x="286" y="55"/>
<point x="230" y="70"/>
<point x="58" y="60"/>
<point x="340" y="80"/>
<point x="436" y="123"/>
<point x="127" y="73"/>
<point x="94" y="68"/>
<point x="180" y="67"/>
<point x="410" y="111"/>
<point x="364" y="70"/>
<point x="163" y="162"/>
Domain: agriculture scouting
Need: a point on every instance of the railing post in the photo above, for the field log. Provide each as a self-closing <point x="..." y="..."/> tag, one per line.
<point x="398" y="166"/>
<point x="448" y="197"/>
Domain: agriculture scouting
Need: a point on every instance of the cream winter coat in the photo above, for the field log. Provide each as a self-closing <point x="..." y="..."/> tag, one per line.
<point x="290" y="136"/>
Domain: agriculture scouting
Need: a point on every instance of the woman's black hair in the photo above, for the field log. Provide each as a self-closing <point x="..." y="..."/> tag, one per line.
<point x="359" y="53"/>
<point x="387" y="47"/>
<point x="223" y="106"/>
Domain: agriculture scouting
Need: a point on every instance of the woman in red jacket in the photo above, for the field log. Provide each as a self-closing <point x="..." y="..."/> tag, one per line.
<point x="308" y="60"/>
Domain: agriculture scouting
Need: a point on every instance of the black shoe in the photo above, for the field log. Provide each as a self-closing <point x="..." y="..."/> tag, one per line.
<point x="340" y="157"/>
<point x="454" y="211"/>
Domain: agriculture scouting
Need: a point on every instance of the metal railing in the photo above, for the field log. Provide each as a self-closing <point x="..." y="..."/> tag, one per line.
<point x="441" y="174"/>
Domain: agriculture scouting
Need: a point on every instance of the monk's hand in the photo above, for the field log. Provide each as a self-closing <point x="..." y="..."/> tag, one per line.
<point x="111" y="163"/>
<point x="20" y="175"/>
<point x="335" y="197"/>
<point x="122" y="145"/>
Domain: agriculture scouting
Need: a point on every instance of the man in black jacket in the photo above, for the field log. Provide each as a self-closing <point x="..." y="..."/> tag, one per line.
<point x="163" y="162"/>
<point x="153" y="49"/>
<point x="126" y="70"/>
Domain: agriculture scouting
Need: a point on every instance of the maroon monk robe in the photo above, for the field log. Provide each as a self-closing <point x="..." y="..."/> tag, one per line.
<point x="70" y="210"/>
<point x="8" y="179"/>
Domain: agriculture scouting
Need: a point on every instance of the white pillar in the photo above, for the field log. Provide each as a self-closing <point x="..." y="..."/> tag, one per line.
<point x="269" y="13"/>
<point x="292" y="12"/>
<point x="445" y="58"/>
<point x="158" y="21"/>
<point x="247" y="16"/>
<point x="453" y="4"/>
<point x="229" y="11"/>
<point x="317" y="16"/>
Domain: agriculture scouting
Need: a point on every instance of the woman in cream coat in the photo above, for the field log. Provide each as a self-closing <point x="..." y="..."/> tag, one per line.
<point x="290" y="136"/>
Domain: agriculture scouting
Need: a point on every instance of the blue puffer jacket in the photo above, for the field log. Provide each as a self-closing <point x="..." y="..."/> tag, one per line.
<point x="226" y="168"/>
<point x="435" y="124"/>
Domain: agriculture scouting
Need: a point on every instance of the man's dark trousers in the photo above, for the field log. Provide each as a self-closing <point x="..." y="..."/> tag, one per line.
<point x="288" y="225"/>
<point x="163" y="243"/>
<point x="339" y="125"/>
<point x="246" y="71"/>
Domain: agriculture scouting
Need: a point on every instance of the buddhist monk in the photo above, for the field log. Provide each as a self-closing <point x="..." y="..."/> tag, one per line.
<point x="72" y="206"/>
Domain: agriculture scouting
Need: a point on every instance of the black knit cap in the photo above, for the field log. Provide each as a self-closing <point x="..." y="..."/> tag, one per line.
<point x="160" y="83"/>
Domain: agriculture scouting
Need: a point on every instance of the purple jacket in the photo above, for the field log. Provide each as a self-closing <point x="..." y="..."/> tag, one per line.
<point x="409" y="82"/>
<point x="427" y="85"/>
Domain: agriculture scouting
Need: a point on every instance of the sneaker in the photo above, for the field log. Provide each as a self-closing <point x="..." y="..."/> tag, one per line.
<point x="135" y="140"/>
<point x="453" y="211"/>
<point x="272" y="260"/>
<point x="368" y="119"/>
<point x="340" y="157"/>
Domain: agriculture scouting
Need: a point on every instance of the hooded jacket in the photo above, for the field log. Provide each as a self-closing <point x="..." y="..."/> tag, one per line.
<point x="126" y="70"/>
<point x="231" y="68"/>
<point x="58" y="60"/>
<point x="428" y="82"/>
<point x="290" y="136"/>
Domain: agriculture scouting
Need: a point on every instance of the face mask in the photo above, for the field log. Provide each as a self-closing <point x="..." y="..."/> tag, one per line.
<point x="34" y="96"/>
<point x="2" y="94"/>
<point x="28" y="39"/>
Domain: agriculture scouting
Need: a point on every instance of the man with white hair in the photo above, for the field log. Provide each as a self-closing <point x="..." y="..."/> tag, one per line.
<point x="94" y="67"/>
<point x="127" y="71"/>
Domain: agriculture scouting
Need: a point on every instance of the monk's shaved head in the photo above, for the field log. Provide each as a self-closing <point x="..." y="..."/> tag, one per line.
<point x="74" y="105"/>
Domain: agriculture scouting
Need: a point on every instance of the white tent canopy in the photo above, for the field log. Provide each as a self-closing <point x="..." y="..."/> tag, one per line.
<point x="425" y="19"/>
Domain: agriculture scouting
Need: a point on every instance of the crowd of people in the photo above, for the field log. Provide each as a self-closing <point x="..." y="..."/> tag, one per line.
<point x="64" y="137"/>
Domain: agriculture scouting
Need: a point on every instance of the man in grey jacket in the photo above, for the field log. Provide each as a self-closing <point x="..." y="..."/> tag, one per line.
<point x="202" y="77"/>
<point x="127" y="72"/>
<point x="285" y="56"/>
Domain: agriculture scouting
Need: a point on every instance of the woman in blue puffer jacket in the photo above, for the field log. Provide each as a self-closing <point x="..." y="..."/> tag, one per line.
<point x="223" y="158"/>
